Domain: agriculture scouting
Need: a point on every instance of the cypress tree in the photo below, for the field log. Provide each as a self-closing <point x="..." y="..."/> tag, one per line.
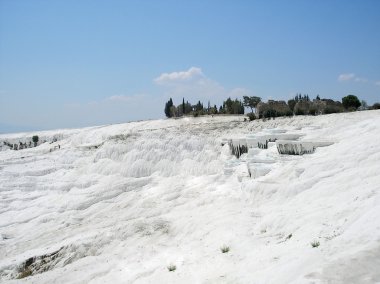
<point x="168" y="106"/>
<point x="183" y="106"/>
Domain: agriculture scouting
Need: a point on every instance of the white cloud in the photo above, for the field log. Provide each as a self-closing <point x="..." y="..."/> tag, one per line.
<point x="351" y="77"/>
<point x="346" y="77"/>
<point x="180" y="76"/>
<point x="192" y="85"/>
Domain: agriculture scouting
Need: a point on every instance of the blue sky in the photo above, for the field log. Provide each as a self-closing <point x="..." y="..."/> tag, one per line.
<point x="81" y="63"/>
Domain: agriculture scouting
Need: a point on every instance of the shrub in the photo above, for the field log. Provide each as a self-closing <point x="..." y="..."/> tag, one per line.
<point x="270" y="113"/>
<point x="376" y="106"/>
<point x="313" y="111"/>
<point x="315" y="244"/>
<point x="329" y="110"/>
<point x="225" y="249"/>
<point x="172" y="267"/>
<point x="299" y="112"/>
<point x="289" y="113"/>
<point x="251" y="116"/>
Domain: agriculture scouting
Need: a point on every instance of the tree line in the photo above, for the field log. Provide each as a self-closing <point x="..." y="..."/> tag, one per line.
<point x="229" y="106"/>
<point x="299" y="105"/>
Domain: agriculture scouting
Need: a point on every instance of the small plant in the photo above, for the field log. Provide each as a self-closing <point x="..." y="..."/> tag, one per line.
<point x="172" y="267"/>
<point x="225" y="249"/>
<point x="315" y="244"/>
<point x="288" y="237"/>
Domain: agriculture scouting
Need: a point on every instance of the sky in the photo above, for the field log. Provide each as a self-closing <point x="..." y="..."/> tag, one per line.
<point x="71" y="63"/>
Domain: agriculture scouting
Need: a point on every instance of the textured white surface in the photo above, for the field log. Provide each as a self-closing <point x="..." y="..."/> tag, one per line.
<point x="156" y="193"/>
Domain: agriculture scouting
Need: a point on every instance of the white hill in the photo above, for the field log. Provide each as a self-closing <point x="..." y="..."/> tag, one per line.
<point x="121" y="203"/>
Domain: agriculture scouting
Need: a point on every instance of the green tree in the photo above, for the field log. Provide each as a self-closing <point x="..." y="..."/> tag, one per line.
<point x="232" y="107"/>
<point x="227" y="105"/>
<point x="188" y="108"/>
<point x="238" y="107"/>
<point x="199" y="107"/>
<point x="351" y="101"/>
<point x="173" y="111"/>
<point x="215" y="109"/>
<point x="251" y="102"/>
<point x="292" y="104"/>
<point x="35" y="140"/>
<point x="168" y="107"/>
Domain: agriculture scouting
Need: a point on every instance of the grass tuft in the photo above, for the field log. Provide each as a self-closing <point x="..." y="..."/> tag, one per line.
<point x="225" y="249"/>
<point x="172" y="267"/>
<point x="315" y="244"/>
